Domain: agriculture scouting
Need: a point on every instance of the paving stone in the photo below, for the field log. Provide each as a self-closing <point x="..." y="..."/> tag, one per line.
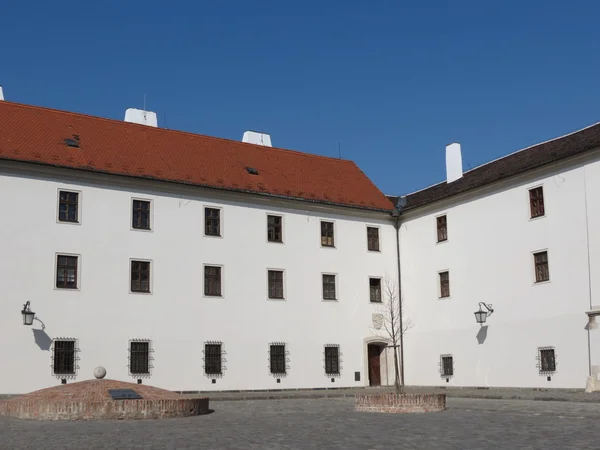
<point x="328" y="424"/>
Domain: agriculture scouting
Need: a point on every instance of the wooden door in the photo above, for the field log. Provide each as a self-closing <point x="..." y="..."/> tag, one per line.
<point x="374" y="352"/>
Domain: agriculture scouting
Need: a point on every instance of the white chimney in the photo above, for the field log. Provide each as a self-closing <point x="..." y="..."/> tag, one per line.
<point x="454" y="167"/>
<point x="253" y="137"/>
<point x="142" y="117"/>
<point x="1" y="94"/>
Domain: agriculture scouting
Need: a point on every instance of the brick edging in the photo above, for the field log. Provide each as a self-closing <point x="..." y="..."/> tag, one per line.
<point x="400" y="403"/>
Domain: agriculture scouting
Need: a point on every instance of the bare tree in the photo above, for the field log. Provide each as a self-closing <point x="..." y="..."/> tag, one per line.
<point x="394" y="322"/>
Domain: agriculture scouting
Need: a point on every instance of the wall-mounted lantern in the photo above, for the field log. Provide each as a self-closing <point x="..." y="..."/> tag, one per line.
<point x="481" y="315"/>
<point x="28" y="315"/>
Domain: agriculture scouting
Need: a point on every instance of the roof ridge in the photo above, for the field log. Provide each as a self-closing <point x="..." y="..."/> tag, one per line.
<point x="187" y="133"/>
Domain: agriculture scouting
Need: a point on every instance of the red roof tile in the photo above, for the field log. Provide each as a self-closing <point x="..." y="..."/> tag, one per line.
<point x="34" y="134"/>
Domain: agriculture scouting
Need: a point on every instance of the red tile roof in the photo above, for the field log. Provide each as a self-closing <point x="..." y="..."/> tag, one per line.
<point x="37" y="135"/>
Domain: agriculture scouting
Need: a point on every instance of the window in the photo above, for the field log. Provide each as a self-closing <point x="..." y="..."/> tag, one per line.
<point x="277" y="358"/>
<point x="375" y="290"/>
<point x="327" y="234"/>
<point x="139" y="357"/>
<point x="442" y="229"/>
<point x="332" y="359"/>
<point x="547" y="360"/>
<point x="212" y="222"/>
<point x="140" y="276"/>
<point x="66" y="272"/>
<point x="542" y="272"/>
<point x="447" y="366"/>
<point x="68" y="207"/>
<point x="274" y="229"/>
<point x="329" y="287"/>
<point x="141" y="215"/>
<point x="373" y="239"/>
<point x="275" y="283"/>
<point x="212" y="281"/>
<point x="64" y="357"/>
<point x="212" y="359"/>
<point x="444" y="284"/>
<point x="536" y="202"/>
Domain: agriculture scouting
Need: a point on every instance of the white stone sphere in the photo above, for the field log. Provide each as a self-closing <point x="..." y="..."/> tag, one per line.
<point x="99" y="372"/>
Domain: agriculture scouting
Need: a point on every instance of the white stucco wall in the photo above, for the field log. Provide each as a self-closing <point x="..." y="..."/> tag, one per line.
<point x="491" y="239"/>
<point x="176" y="317"/>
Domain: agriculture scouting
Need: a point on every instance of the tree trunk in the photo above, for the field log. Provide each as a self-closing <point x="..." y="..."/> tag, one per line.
<point x="397" y="372"/>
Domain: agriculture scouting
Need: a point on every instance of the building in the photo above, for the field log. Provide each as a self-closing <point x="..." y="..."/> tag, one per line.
<point x="185" y="261"/>
<point x="195" y="263"/>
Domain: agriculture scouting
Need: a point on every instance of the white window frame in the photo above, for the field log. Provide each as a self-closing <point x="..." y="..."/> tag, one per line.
<point x="79" y="206"/>
<point x="78" y="256"/>
<point x="142" y="199"/>
<point x="151" y="283"/>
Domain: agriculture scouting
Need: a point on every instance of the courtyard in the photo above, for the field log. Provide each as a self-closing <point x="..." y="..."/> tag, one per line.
<point x="327" y="424"/>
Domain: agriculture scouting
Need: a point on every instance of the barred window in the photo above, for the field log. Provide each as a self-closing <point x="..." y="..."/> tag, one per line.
<point x="66" y="272"/>
<point x="212" y="281"/>
<point x="277" y="358"/>
<point x="327" y="234"/>
<point x="536" y="202"/>
<point x="373" y="239"/>
<point x="64" y="357"/>
<point x="141" y="215"/>
<point x="140" y="276"/>
<point x="139" y="357"/>
<point x="274" y="229"/>
<point x="212" y="222"/>
<point x="329" y="287"/>
<point x="276" y="284"/>
<point x="375" y="290"/>
<point x="447" y="366"/>
<point x="212" y="359"/>
<point x="542" y="271"/>
<point x="332" y="360"/>
<point x="442" y="229"/>
<point x="444" y="284"/>
<point x="547" y="360"/>
<point x="68" y="206"/>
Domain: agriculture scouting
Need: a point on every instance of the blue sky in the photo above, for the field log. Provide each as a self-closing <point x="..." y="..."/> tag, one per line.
<point x="392" y="82"/>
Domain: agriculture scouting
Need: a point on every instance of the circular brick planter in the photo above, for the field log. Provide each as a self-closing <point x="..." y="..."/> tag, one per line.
<point x="90" y="400"/>
<point x="400" y="403"/>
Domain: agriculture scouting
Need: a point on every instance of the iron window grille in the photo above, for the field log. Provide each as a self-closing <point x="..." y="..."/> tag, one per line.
<point x="212" y="222"/>
<point x="64" y="357"/>
<point x="274" y="229"/>
<point x="542" y="270"/>
<point x="447" y="365"/>
<point x="444" y="284"/>
<point x="213" y="358"/>
<point x="375" y="290"/>
<point x="536" y="202"/>
<point x="66" y="272"/>
<point x="332" y="359"/>
<point x="141" y="215"/>
<point x="329" y="287"/>
<point x="546" y="360"/>
<point x="277" y="359"/>
<point x="212" y="281"/>
<point x="139" y="357"/>
<point x="373" y="239"/>
<point x="327" y="238"/>
<point x="442" y="228"/>
<point x="276" y="284"/>
<point x="68" y="207"/>
<point x="140" y="276"/>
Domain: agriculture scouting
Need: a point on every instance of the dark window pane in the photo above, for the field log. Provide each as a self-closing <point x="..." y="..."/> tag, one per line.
<point x="141" y="214"/>
<point x="212" y="280"/>
<point x="329" y="287"/>
<point x="447" y="366"/>
<point x="64" y="357"/>
<point x="68" y="206"/>
<point x="548" y="362"/>
<point x="212" y="222"/>
<point x="442" y="229"/>
<point x="542" y="270"/>
<point x="277" y="358"/>
<point x="275" y="284"/>
<point x="536" y="202"/>
<point x="332" y="360"/>
<point x="66" y="272"/>
<point x="327" y="234"/>
<point x="373" y="238"/>
<point x="444" y="284"/>
<point x="139" y="357"/>
<point x="140" y="276"/>
<point x="375" y="290"/>
<point x="212" y="359"/>
<point x="274" y="229"/>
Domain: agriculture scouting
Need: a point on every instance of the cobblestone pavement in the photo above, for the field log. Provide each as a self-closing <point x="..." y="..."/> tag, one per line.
<point x="328" y="424"/>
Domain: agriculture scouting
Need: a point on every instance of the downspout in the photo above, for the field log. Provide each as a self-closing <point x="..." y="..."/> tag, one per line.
<point x="396" y="215"/>
<point x="589" y="264"/>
